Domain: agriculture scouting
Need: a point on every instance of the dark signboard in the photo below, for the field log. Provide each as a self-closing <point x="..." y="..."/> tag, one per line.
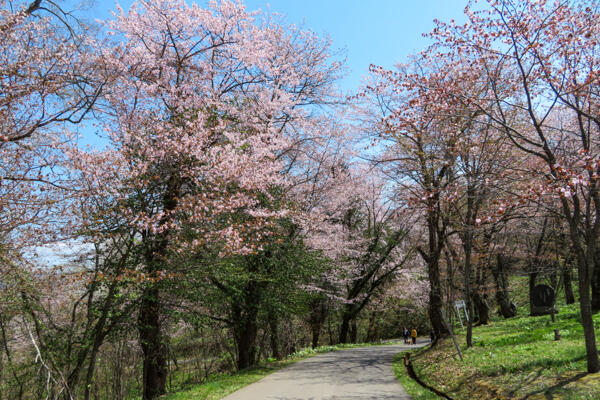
<point x="542" y="296"/>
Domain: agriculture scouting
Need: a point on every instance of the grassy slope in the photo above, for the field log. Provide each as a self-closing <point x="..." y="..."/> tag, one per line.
<point x="514" y="359"/>
<point x="220" y="386"/>
<point x="416" y="391"/>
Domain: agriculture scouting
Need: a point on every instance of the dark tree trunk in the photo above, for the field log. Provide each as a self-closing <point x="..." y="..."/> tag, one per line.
<point x="154" y="349"/>
<point x="274" y="328"/>
<point x="586" y="256"/>
<point x="317" y="317"/>
<point x="448" y="255"/>
<point x="246" y="338"/>
<point x="316" y="332"/>
<point x="568" y="283"/>
<point x="153" y="346"/>
<point x="468" y="294"/>
<point x="502" y="296"/>
<point x="554" y="279"/>
<point x="330" y="332"/>
<point x="344" y="329"/>
<point x="436" y="237"/>
<point x="353" y="331"/>
<point x="435" y="299"/>
<point x="435" y="315"/>
<point x="372" y="329"/>
<point x="593" y="363"/>
<point x="90" y="372"/>
<point x="482" y="308"/>
<point x="532" y="278"/>
<point x="596" y="283"/>
<point x="245" y="317"/>
<point x="467" y="241"/>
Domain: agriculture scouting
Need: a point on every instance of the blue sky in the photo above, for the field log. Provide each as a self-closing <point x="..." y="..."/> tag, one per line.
<point x="380" y="32"/>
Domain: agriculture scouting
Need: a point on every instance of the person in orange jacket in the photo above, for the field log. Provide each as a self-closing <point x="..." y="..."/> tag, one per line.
<point x="413" y="335"/>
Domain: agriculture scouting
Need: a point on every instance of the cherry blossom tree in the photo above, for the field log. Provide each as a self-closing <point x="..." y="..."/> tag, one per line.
<point x="540" y="63"/>
<point x="48" y="82"/>
<point x="47" y="79"/>
<point x="366" y="238"/>
<point x="201" y="106"/>
<point x="414" y="124"/>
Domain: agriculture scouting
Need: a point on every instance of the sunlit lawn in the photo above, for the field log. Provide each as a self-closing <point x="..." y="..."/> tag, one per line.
<point x="514" y="359"/>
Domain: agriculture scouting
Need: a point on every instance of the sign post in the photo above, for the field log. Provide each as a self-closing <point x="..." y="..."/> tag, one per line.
<point x="451" y="333"/>
<point x="460" y="305"/>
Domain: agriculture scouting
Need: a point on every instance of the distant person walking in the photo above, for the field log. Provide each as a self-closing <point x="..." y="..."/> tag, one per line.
<point x="406" y="335"/>
<point x="413" y="335"/>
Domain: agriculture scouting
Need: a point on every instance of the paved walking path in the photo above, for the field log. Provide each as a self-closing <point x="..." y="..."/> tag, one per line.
<point x="351" y="374"/>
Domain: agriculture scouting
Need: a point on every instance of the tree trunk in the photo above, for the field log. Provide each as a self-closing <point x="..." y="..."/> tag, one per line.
<point x="435" y="315"/>
<point x="468" y="296"/>
<point x="568" y="284"/>
<point x="449" y="284"/>
<point x="246" y="339"/>
<point x="273" y="327"/>
<point x="154" y="349"/>
<point x="502" y="296"/>
<point x="482" y="307"/>
<point x="593" y="363"/>
<point x="353" y="331"/>
<point x="345" y="328"/>
<point x="467" y="240"/>
<point x="432" y="258"/>
<point x="330" y="332"/>
<point x="90" y="372"/>
<point x="245" y="317"/>
<point x="153" y="346"/>
<point x="586" y="256"/>
<point x="371" y="330"/>
<point x="532" y="278"/>
<point x="435" y="297"/>
<point x="316" y="332"/>
<point x="596" y="283"/>
<point x="316" y="318"/>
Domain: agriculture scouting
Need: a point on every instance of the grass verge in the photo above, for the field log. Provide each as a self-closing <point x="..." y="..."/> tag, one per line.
<point x="514" y="359"/>
<point x="219" y="386"/>
<point x="416" y="391"/>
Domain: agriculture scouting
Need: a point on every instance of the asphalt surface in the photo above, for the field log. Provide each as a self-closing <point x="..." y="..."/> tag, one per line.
<point x="351" y="374"/>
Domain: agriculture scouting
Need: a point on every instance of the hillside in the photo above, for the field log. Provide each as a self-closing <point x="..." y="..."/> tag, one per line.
<point x="514" y="359"/>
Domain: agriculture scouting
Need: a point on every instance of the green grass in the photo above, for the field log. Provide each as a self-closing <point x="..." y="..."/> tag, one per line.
<point x="416" y="391"/>
<point x="219" y="386"/>
<point x="515" y="359"/>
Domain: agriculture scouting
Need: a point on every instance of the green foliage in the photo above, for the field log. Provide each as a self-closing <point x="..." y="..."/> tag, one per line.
<point x="222" y="385"/>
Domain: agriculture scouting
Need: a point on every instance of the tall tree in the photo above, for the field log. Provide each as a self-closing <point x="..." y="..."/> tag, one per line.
<point x="419" y="135"/>
<point x="198" y="108"/>
<point x="540" y="62"/>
